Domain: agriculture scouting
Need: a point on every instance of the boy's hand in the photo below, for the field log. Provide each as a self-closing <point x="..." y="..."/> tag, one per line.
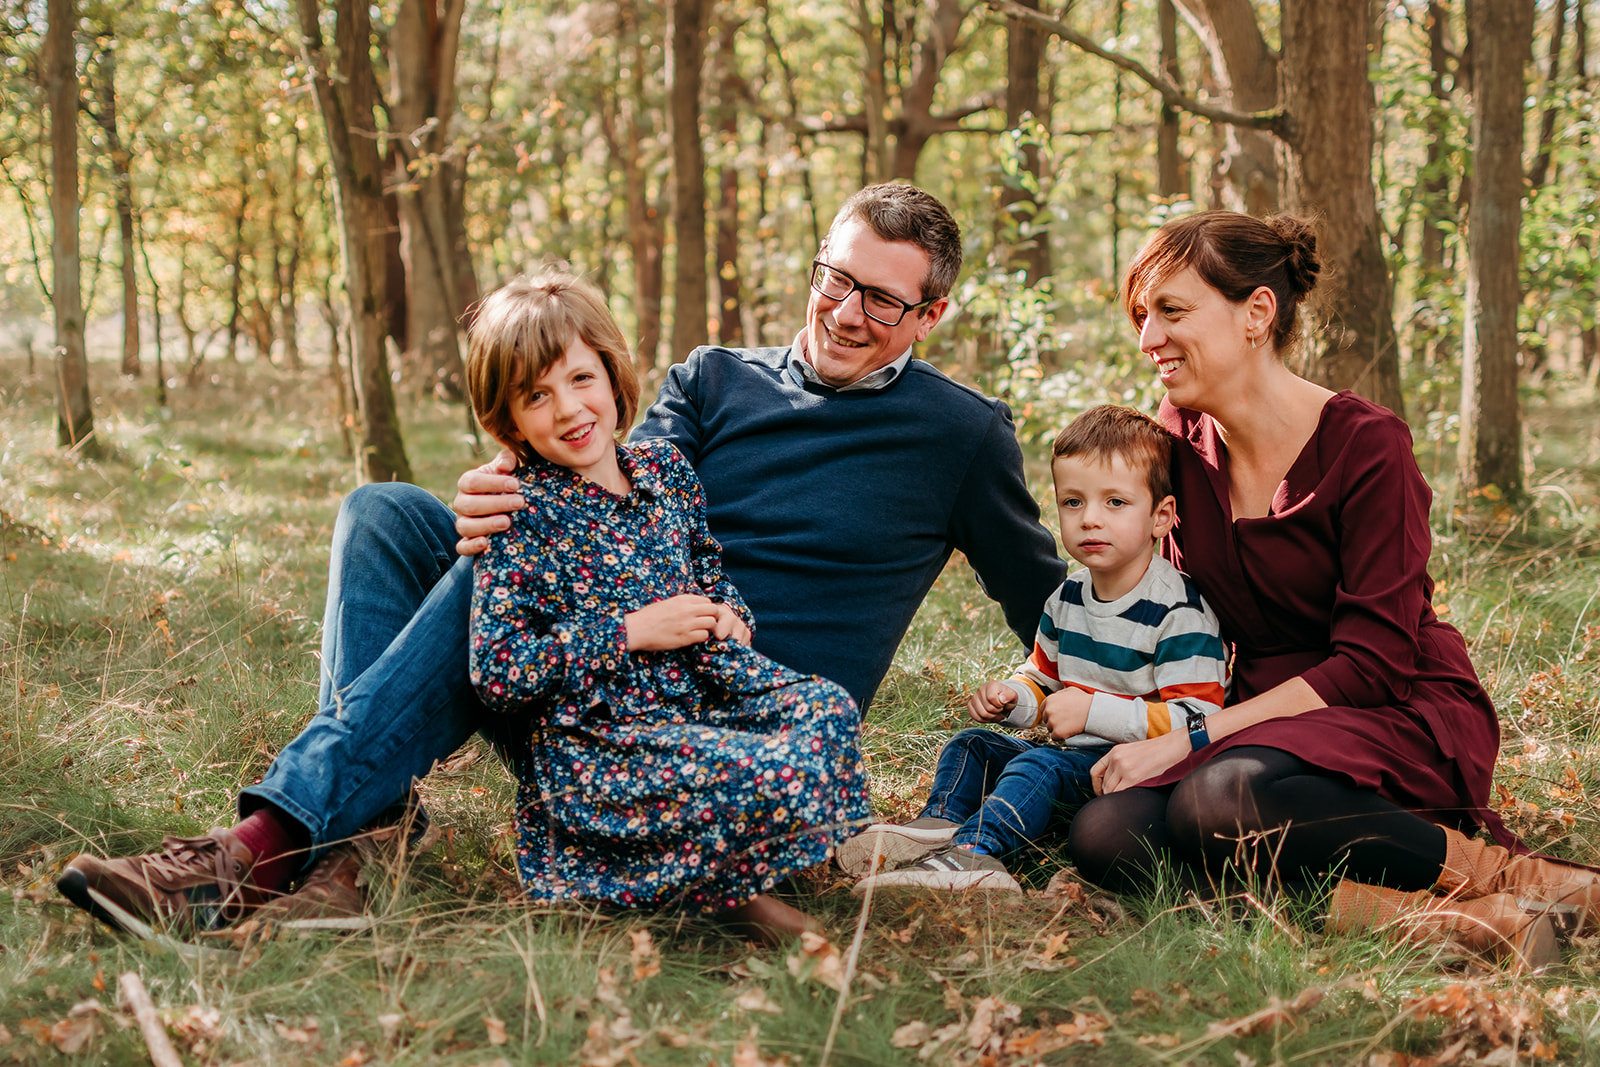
<point x="730" y="627"/>
<point x="991" y="702"/>
<point x="1067" y="712"/>
<point x="676" y="622"/>
<point x="485" y="498"/>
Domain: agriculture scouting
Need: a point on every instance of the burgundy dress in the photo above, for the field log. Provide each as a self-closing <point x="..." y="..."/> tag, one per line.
<point x="1332" y="585"/>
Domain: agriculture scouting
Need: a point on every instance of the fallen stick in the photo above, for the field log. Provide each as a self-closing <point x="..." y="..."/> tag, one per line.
<point x="162" y="1054"/>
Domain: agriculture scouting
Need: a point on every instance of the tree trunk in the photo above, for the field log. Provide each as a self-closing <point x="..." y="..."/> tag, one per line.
<point x="1327" y="172"/>
<point x="1539" y="172"/>
<point x="918" y="124"/>
<point x="122" y="186"/>
<point x="346" y="97"/>
<point x="1435" y="181"/>
<point x="729" y="318"/>
<point x="685" y="61"/>
<point x="74" y="409"/>
<point x="1246" y="70"/>
<point x="1020" y="194"/>
<point x="1500" y="34"/>
<point x="423" y="47"/>
<point x="1171" y="181"/>
<point x="626" y="126"/>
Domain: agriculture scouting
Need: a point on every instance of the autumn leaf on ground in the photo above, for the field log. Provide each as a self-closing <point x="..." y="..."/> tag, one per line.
<point x="912" y="1033"/>
<point x="1275" y="1015"/>
<point x="72" y="1034"/>
<point x="756" y="999"/>
<point x="991" y="1017"/>
<point x="646" y="961"/>
<point x="818" y="961"/>
<point x="496" y="1028"/>
<point x="747" y="1053"/>
<point x="200" y="1029"/>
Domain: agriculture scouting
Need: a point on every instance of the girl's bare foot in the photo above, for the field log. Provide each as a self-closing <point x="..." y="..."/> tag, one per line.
<point x="768" y="920"/>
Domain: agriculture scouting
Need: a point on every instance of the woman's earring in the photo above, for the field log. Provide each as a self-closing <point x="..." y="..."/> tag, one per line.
<point x="1255" y="340"/>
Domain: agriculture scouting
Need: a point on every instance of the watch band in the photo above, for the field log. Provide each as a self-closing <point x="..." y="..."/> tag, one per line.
<point x="1198" y="739"/>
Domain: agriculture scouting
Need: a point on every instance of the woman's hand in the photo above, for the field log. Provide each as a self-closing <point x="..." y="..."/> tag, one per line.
<point x="676" y="622"/>
<point x="1132" y="763"/>
<point x="485" y="498"/>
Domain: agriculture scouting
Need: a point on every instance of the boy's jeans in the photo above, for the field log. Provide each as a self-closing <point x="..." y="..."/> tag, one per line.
<point x="394" y="694"/>
<point x="1005" y="791"/>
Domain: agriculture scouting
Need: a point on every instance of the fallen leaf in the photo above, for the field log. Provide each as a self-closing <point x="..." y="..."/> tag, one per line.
<point x="496" y="1028"/>
<point x="390" y="1025"/>
<point x="1275" y="1015"/>
<point x="990" y="1018"/>
<point x="356" y="1057"/>
<point x="912" y="1033"/>
<point x="756" y="1000"/>
<point x="819" y="961"/>
<point x="81" y="1026"/>
<point x="646" y="961"/>
<point x="1064" y="886"/>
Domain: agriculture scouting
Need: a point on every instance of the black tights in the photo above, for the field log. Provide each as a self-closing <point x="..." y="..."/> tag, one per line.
<point x="1256" y="813"/>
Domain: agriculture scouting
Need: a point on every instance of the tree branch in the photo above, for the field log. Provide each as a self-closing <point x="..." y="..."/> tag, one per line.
<point x="1275" y="121"/>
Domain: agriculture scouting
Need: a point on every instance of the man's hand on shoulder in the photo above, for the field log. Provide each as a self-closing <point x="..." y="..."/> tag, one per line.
<point x="485" y="498"/>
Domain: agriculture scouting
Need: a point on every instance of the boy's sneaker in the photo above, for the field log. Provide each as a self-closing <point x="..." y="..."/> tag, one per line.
<point x="193" y="884"/>
<point x="895" y="844"/>
<point x="952" y="867"/>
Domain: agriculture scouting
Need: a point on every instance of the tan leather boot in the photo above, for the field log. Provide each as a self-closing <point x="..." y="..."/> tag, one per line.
<point x="1493" y="925"/>
<point x="1476" y="868"/>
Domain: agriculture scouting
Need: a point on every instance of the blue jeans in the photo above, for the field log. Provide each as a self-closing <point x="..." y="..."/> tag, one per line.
<point x="1005" y="791"/>
<point x="394" y="695"/>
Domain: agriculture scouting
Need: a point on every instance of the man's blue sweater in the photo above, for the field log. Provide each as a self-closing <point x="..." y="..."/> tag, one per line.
<point x="837" y="510"/>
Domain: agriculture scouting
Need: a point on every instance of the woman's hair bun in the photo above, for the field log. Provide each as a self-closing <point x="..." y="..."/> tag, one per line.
<point x="1301" y="263"/>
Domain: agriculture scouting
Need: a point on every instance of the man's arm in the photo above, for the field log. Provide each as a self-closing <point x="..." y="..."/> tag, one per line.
<point x="996" y="524"/>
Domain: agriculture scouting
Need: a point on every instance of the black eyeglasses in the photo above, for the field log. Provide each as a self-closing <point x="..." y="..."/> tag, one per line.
<point x="878" y="305"/>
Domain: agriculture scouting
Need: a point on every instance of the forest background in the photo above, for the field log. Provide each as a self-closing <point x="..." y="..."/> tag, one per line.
<point x="236" y="240"/>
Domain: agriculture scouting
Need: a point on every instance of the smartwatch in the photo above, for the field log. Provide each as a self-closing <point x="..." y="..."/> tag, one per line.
<point x="1198" y="738"/>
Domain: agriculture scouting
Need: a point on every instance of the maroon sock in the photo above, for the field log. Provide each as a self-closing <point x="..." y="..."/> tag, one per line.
<point x="279" y="844"/>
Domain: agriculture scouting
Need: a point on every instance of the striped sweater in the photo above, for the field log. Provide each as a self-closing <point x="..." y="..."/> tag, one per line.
<point x="1151" y="658"/>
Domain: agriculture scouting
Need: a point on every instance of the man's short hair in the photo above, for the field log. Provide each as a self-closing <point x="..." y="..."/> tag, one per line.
<point x="1112" y="430"/>
<point x="522" y="329"/>
<point x="895" y="211"/>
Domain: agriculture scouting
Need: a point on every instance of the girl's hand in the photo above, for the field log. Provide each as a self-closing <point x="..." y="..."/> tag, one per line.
<point x="730" y="627"/>
<point x="1136" y="761"/>
<point x="1066" y="712"/>
<point x="991" y="702"/>
<point x="676" y="622"/>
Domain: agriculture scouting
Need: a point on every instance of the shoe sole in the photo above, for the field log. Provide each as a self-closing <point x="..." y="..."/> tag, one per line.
<point x="948" y="881"/>
<point x="895" y="846"/>
<point x="75" y="887"/>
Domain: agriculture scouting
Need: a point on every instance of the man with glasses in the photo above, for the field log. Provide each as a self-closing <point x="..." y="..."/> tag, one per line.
<point x="840" y="474"/>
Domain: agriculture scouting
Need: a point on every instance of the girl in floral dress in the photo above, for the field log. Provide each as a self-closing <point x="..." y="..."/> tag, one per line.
<point x="667" y="763"/>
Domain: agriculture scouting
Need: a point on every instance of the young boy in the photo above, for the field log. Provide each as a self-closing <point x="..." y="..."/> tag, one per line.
<point x="1126" y="650"/>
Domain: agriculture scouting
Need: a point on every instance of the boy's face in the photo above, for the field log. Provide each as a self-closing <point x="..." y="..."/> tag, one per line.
<point x="1108" y="521"/>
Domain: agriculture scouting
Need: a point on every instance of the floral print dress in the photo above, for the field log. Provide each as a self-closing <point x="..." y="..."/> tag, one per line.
<point x="697" y="777"/>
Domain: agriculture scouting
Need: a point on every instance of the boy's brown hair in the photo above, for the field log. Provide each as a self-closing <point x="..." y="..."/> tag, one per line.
<point x="1111" y="430"/>
<point x="523" y="329"/>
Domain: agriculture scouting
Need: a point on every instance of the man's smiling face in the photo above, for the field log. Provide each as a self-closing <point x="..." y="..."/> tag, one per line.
<point x="842" y="343"/>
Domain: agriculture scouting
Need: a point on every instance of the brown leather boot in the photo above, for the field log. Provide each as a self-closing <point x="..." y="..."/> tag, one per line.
<point x="1493" y="925"/>
<point x="192" y="884"/>
<point x="330" y="890"/>
<point x="1475" y="868"/>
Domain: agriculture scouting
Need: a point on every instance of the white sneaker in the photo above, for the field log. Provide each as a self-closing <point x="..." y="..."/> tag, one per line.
<point x="895" y="844"/>
<point x="952" y="868"/>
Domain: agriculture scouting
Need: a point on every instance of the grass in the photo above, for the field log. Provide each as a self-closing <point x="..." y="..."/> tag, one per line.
<point x="158" y="629"/>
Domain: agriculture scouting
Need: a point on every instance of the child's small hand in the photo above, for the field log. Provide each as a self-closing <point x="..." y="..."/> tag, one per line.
<point x="676" y="622"/>
<point x="1067" y="712"/>
<point x="730" y="627"/>
<point x="991" y="702"/>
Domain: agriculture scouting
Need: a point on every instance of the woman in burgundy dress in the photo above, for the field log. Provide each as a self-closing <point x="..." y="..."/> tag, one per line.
<point x="1358" y="738"/>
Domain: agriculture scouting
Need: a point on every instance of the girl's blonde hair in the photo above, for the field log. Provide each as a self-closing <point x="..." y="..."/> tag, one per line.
<point x="522" y="329"/>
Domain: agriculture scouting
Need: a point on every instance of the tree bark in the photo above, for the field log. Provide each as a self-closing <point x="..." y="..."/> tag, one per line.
<point x="1246" y="70"/>
<point x="346" y="98"/>
<point x="685" y="63"/>
<point x="1019" y="195"/>
<point x="729" y="318"/>
<point x="423" y="47"/>
<point x="1539" y="171"/>
<point x="1171" y="181"/>
<point x="122" y="186"/>
<point x="1500" y="34"/>
<point x="1327" y="171"/>
<point x="74" y="408"/>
